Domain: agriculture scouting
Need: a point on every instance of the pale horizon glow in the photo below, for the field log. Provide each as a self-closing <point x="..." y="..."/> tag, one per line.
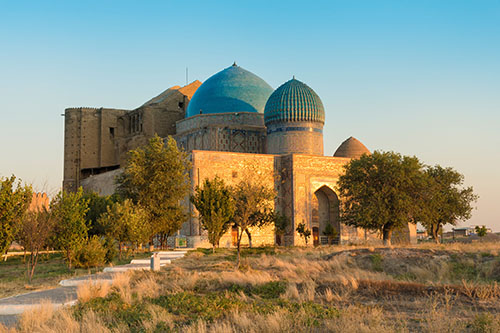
<point x="420" y="78"/>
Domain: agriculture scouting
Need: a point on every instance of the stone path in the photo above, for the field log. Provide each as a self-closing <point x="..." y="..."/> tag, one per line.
<point x="11" y="307"/>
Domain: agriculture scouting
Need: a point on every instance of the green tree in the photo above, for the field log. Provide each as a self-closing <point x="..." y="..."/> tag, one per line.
<point x="91" y="253"/>
<point x="97" y="206"/>
<point x="281" y="223"/>
<point x="481" y="231"/>
<point x="444" y="200"/>
<point x="253" y="203"/>
<point x="68" y="210"/>
<point x="381" y="191"/>
<point x="156" y="178"/>
<point x="215" y="205"/>
<point x="304" y="231"/>
<point x="125" y="223"/>
<point x="330" y="232"/>
<point x="34" y="233"/>
<point x="14" y="201"/>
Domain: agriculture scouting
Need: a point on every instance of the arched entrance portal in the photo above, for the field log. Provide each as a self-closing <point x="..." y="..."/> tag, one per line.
<point x="325" y="212"/>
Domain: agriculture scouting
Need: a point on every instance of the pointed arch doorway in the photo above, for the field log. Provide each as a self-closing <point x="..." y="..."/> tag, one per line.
<point x="325" y="213"/>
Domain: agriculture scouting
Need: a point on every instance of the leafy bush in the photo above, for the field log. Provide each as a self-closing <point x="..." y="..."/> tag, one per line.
<point x="91" y="254"/>
<point x="192" y="306"/>
<point x="115" y="310"/>
<point x="303" y="231"/>
<point x="481" y="231"/>
<point x="330" y="232"/>
<point x="377" y="261"/>
<point x="483" y="322"/>
<point x="463" y="268"/>
<point x="110" y="246"/>
<point x="269" y="290"/>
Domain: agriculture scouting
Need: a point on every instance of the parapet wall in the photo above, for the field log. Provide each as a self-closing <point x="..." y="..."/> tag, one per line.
<point x="102" y="184"/>
<point x="39" y="201"/>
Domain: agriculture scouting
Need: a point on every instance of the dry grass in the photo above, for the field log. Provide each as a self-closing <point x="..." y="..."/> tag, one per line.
<point x="157" y="315"/>
<point x="481" y="291"/>
<point x="121" y="284"/>
<point x="292" y="292"/>
<point x="251" y="277"/>
<point x="487" y="247"/>
<point x="33" y="320"/>
<point x="353" y="319"/>
<point x="45" y="319"/>
<point x="349" y="289"/>
<point x="244" y="322"/>
<point x="147" y="287"/>
<point x="364" y="319"/>
<point x="91" y="290"/>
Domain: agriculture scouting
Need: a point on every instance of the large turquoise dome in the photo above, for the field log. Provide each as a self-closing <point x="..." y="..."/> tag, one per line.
<point x="294" y="101"/>
<point x="233" y="89"/>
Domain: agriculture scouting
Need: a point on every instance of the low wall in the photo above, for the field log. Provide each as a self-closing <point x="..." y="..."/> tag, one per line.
<point x="102" y="184"/>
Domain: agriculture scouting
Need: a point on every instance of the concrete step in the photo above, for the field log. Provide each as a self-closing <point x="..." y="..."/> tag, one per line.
<point x="168" y="258"/>
<point x="148" y="261"/>
<point x="94" y="278"/>
<point x="171" y="252"/>
<point x="125" y="268"/>
<point x="129" y="267"/>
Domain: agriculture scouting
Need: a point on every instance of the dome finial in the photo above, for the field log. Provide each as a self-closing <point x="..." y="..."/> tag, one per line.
<point x="234" y="64"/>
<point x="293" y="77"/>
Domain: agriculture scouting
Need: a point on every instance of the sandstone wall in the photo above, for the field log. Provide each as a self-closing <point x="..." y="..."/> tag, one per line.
<point x="294" y="177"/>
<point x="232" y="168"/>
<point x="260" y="237"/>
<point x="310" y="173"/>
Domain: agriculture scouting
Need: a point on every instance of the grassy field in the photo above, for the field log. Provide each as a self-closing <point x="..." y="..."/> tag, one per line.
<point x="50" y="270"/>
<point x="426" y="288"/>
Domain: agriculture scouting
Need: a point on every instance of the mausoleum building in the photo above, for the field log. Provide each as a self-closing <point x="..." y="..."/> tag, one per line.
<point x="234" y="126"/>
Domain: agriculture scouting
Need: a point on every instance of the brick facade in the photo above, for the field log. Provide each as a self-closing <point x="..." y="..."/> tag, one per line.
<point x="96" y="140"/>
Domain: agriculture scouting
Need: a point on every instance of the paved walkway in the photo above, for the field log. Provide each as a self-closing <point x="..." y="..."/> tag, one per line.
<point x="65" y="295"/>
<point x="8" y="320"/>
<point x="11" y="307"/>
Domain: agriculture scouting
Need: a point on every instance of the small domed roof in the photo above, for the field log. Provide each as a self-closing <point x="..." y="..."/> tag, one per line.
<point x="294" y="101"/>
<point x="233" y="89"/>
<point x="351" y="148"/>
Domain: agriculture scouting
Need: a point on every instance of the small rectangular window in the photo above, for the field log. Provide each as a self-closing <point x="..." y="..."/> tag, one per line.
<point x="112" y="132"/>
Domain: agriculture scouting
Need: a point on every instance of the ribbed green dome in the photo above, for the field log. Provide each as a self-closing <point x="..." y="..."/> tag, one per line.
<point x="294" y="101"/>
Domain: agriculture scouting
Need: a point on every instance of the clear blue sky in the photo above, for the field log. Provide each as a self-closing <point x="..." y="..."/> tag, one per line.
<point x="417" y="77"/>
